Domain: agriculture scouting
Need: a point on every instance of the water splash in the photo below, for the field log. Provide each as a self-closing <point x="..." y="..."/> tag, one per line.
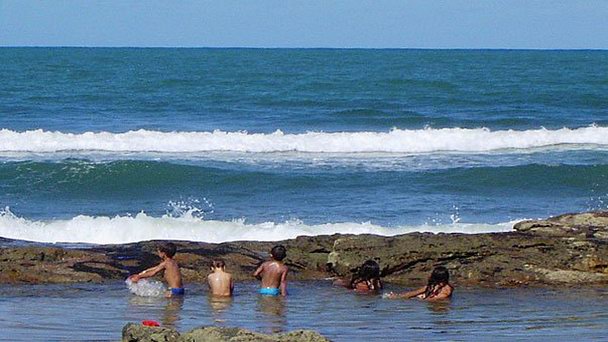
<point x="146" y="288"/>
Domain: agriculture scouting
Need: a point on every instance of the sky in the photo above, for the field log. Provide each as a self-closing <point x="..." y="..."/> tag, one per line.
<point x="525" y="24"/>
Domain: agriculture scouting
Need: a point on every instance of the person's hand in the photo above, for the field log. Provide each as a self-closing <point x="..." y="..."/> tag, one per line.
<point x="135" y="278"/>
<point x="391" y="295"/>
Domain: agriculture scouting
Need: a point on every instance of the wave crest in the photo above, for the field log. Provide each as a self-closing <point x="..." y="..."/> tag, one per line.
<point x="395" y="141"/>
<point x="142" y="227"/>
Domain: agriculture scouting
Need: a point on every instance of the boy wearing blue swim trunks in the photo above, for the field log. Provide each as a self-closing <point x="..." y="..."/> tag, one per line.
<point x="173" y="277"/>
<point x="273" y="273"/>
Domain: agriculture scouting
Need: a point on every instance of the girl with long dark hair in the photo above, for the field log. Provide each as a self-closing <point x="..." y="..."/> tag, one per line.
<point x="438" y="287"/>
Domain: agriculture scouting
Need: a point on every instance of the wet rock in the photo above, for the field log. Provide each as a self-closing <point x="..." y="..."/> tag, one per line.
<point x="136" y="333"/>
<point x="582" y="224"/>
<point x="535" y="253"/>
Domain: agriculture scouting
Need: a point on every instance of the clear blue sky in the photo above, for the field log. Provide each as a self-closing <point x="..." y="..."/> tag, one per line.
<point x="312" y="23"/>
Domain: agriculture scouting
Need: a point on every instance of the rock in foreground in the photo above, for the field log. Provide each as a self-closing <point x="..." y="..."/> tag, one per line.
<point x="138" y="333"/>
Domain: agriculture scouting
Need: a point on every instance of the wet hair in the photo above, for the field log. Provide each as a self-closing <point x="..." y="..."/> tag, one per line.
<point x="168" y="248"/>
<point x="439" y="276"/>
<point x="278" y="252"/>
<point x="368" y="272"/>
<point x="218" y="263"/>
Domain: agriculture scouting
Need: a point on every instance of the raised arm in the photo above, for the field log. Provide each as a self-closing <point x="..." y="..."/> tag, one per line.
<point x="283" y="286"/>
<point x="150" y="272"/>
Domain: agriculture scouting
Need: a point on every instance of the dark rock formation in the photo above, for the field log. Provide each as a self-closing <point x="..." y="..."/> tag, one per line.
<point x="139" y="333"/>
<point x="567" y="249"/>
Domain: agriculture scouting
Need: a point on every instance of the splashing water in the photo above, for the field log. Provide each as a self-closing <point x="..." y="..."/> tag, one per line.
<point x="146" y="288"/>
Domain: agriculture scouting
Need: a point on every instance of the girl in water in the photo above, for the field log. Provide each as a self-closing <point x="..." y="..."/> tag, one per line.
<point x="437" y="288"/>
<point x="365" y="279"/>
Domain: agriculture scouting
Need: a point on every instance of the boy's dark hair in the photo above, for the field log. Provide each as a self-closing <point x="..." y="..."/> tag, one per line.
<point x="218" y="263"/>
<point x="168" y="248"/>
<point x="278" y="252"/>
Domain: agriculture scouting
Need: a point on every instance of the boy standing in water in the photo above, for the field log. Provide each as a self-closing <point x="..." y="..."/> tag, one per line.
<point x="273" y="273"/>
<point x="166" y="251"/>
<point x="220" y="281"/>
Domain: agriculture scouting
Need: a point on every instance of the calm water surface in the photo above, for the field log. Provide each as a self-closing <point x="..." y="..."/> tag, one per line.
<point x="98" y="312"/>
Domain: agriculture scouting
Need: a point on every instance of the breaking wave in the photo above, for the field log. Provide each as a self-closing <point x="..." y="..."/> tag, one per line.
<point x="188" y="226"/>
<point x="395" y="141"/>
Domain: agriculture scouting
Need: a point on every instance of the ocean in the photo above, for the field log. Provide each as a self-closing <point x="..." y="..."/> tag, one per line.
<point x="113" y="145"/>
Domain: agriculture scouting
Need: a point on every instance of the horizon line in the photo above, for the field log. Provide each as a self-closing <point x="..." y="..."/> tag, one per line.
<point x="301" y="48"/>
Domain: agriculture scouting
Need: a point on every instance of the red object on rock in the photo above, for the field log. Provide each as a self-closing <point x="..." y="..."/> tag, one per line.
<point x="150" y="323"/>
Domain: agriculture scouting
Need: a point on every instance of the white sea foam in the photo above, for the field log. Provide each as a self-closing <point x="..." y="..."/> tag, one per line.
<point x="146" y="288"/>
<point x="395" y="141"/>
<point x="142" y="227"/>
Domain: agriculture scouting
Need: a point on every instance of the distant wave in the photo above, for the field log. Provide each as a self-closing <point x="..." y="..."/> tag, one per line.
<point x="142" y="227"/>
<point x="395" y="141"/>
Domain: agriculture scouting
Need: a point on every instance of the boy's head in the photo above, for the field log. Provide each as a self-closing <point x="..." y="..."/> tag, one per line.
<point x="218" y="264"/>
<point x="278" y="252"/>
<point x="167" y="248"/>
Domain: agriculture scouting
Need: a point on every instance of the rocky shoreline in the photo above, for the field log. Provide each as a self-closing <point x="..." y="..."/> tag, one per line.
<point x="563" y="250"/>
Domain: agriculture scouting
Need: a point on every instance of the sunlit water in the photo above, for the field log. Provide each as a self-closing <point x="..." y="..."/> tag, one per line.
<point x="98" y="312"/>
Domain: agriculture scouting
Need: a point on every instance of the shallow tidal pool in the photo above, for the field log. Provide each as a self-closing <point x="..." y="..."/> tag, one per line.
<point x="98" y="312"/>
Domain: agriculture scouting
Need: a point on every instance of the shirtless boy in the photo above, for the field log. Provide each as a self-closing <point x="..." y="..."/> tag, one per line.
<point x="166" y="251"/>
<point x="273" y="273"/>
<point x="220" y="281"/>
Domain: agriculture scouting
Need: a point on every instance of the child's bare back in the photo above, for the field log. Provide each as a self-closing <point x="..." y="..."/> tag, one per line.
<point x="173" y="276"/>
<point x="220" y="282"/>
<point x="273" y="273"/>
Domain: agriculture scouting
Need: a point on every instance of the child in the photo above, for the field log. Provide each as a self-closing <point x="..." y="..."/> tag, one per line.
<point x="220" y="281"/>
<point x="166" y="251"/>
<point x="437" y="288"/>
<point x="365" y="279"/>
<point x="273" y="273"/>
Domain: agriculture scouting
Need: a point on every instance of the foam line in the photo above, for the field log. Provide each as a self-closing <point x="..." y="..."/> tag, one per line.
<point x="394" y="141"/>
<point x="142" y="227"/>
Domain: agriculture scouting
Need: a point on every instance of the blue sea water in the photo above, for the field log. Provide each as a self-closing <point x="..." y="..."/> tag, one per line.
<point x="91" y="312"/>
<point x="106" y="145"/>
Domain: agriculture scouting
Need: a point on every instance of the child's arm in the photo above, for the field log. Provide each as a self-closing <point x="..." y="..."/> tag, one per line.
<point x="258" y="272"/>
<point x="414" y="293"/>
<point x="283" y="285"/>
<point x="150" y="272"/>
<point x="341" y="282"/>
<point x="407" y="295"/>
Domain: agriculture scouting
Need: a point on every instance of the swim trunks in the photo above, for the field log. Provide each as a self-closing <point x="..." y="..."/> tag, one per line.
<point x="270" y="291"/>
<point x="178" y="291"/>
